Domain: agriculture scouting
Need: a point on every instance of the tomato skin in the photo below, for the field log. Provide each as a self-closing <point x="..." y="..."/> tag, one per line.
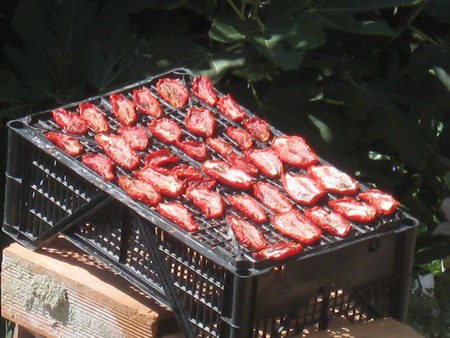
<point x="93" y="117"/>
<point x="200" y="121"/>
<point x="167" y="184"/>
<point x="267" y="161"/>
<point x="165" y="130"/>
<point x="248" y="206"/>
<point x="383" y="202"/>
<point x="202" y="88"/>
<point x="229" y="107"/>
<point x="296" y="226"/>
<point x="221" y="147"/>
<point x="70" y="122"/>
<point x="118" y="150"/>
<point x="194" y="149"/>
<point x="123" y="109"/>
<point x="185" y="171"/>
<point x="178" y="214"/>
<point x="173" y="91"/>
<point x="209" y="202"/>
<point x="246" y="233"/>
<point x="71" y="146"/>
<point x="333" y="180"/>
<point x="227" y="174"/>
<point x="139" y="190"/>
<point x="279" y="251"/>
<point x="258" y="128"/>
<point x="329" y="221"/>
<point x="293" y="150"/>
<point x="244" y="164"/>
<point x="302" y="189"/>
<point x="240" y="136"/>
<point x="161" y="157"/>
<point x="146" y="103"/>
<point x="271" y="197"/>
<point x="136" y="136"/>
<point x="354" y="209"/>
<point x="102" y="165"/>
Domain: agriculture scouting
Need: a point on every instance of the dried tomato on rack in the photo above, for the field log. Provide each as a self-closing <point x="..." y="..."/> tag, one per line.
<point x="353" y="209"/>
<point x="161" y="157"/>
<point x="185" y="171"/>
<point x="102" y="165"/>
<point x="279" y="251"/>
<point x="248" y="207"/>
<point x="227" y="174"/>
<point x="203" y="182"/>
<point x="69" y="122"/>
<point x="94" y="117"/>
<point x="146" y="103"/>
<point x="221" y="147"/>
<point x="118" y="150"/>
<point x="136" y="136"/>
<point x="296" y="226"/>
<point x="329" y="221"/>
<point x="194" y="149"/>
<point x="302" y="189"/>
<point x="267" y="161"/>
<point x="200" y="121"/>
<point x="385" y="203"/>
<point x="164" y="182"/>
<point x="173" y="91"/>
<point x="242" y="138"/>
<point x="202" y="88"/>
<point x="209" y="202"/>
<point x="294" y="151"/>
<point x="334" y="180"/>
<point x="165" y="130"/>
<point x="229" y="107"/>
<point x="123" y="109"/>
<point x="178" y="214"/>
<point x="258" y="128"/>
<point x="246" y="233"/>
<point x="245" y="164"/>
<point x="271" y="197"/>
<point x="139" y="190"/>
<point x="66" y="143"/>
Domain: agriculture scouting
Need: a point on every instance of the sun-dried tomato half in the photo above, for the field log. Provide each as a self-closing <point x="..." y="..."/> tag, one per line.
<point x="139" y="190"/>
<point x="94" y="117"/>
<point x="279" y="251"/>
<point x="302" y="189"/>
<point x="69" y="122"/>
<point x="163" y="181"/>
<point x="245" y="164"/>
<point x="296" y="226"/>
<point x="248" y="206"/>
<point x="202" y="88"/>
<point x="258" y="128"/>
<point x="200" y="121"/>
<point x="146" y="103"/>
<point x="173" y="91"/>
<point x="178" y="214"/>
<point x="271" y="197"/>
<point x="229" y="107"/>
<point x="246" y="233"/>
<point x="385" y="203"/>
<point x="123" y="109"/>
<point x="165" y="130"/>
<point x="161" y="157"/>
<point x="353" y="209"/>
<point x="209" y="202"/>
<point x="102" y="165"/>
<point x="267" y="161"/>
<point x="66" y="143"/>
<point x="329" y="221"/>
<point x="227" y="174"/>
<point x="221" y="147"/>
<point x="136" y="136"/>
<point x="203" y="182"/>
<point x="334" y="180"/>
<point x="242" y="138"/>
<point x="294" y="151"/>
<point x="194" y="149"/>
<point x="118" y="150"/>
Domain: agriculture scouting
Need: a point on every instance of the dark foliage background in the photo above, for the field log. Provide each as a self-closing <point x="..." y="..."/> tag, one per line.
<point x="365" y="82"/>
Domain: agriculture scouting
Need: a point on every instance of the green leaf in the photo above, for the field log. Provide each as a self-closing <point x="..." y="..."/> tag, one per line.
<point x="285" y="60"/>
<point x="231" y="30"/>
<point x="360" y="5"/>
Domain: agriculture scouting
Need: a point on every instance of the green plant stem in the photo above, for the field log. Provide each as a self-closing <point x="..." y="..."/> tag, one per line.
<point x="235" y="9"/>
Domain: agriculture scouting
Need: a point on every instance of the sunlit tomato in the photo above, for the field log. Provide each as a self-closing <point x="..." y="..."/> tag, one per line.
<point x="194" y="149"/>
<point x="69" y="122"/>
<point x="296" y="226"/>
<point x="229" y="107"/>
<point x="271" y="197"/>
<point x="248" y="206"/>
<point x="173" y="91"/>
<point x="200" y="121"/>
<point x="178" y="214"/>
<point x="146" y="103"/>
<point x="222" y="148"/>
<point x="185" y="171"/>
<point x="68" y="144"/>
<point x="267" y="161"/>
<point x="246" y="233"/>
<point x="302" y="189"/>
<point x="227" y="174"/>
<point x="258" y="128"/>
<point x="329" y="221"/>
<point x="294" y="151"/>
<point x="136" y="136"/>
<point x="165" y="130"/>
<point x="102" y="165"/>
<point x="123" y="109"/>
<point x="203" y="89"/>
<point x="242" y="138"/>
<point x="279" y="251"/>
<point x="118" y="150"/>
<point x="385" y="203"/>
<point x="245" y="164"/>
<point x="94" y="117"/>
<point x="209" y="202"/>
<point x="333" y="180"/>
<point x="139" y="190"/>
<point x="161" y="157"/>
<point x="353" y="209"/>
<point x="164" y="182"/>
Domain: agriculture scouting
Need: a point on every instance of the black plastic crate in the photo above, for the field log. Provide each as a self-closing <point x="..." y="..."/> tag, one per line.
<point x="215" y="287"/>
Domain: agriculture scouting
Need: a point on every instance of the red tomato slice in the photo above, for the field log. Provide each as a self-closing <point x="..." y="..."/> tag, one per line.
<point x="102" y="165"/>
<point x="200" y="121"/>
<point x="93" y="117"/>
<point x="178" y="214"/>
<point x="258" y="128"/>
<point x="165" y="130"/>
<point x="69" y="122"/>
<point x="296" y="226"/>
<point x="161" y="157"/>
<point x="165" y="183"/>
<point x="245" y="164"/>
<point x="185" y="171"/>
<point x="384" y="203"/>
<point x="173" y="91"/>
<point x="136" y="136"/>
<point x="271" y="197"/>
<point x="221" y="147"/>
<point x="194" y="149"/>
<point x="228" y="107"/>
<point x="209" y="202"/>
<point x="139" y="190"/>
<point x="279" y="251"/>
<point x="226" y="174"/>
<point x="333" y="180"/>
<point x="329" y="221"/>
<point x="202" y="88"/>
<point x="267" y="161"/>
<point x="302" y="189"/>
<point x="242" y="138"/>
<point x="146" y="103"/>
<point x="69" y="145"/>
<point x="353" y="209"/>
<point x="248" y="206"/>
<point x="118" y="150"/>
<point x="294" y="151"/>
<point x="123" y="109"/>
<point x="246" y="233"/>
